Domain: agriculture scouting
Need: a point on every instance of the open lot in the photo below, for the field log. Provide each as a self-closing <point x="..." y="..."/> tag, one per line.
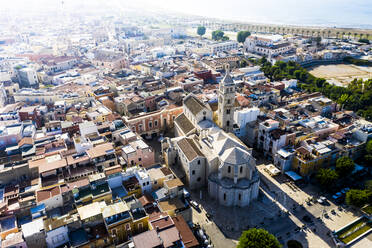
<point x="208" y="33"/>
<point x="341" y="74"/>
<point x="277" y="196"/>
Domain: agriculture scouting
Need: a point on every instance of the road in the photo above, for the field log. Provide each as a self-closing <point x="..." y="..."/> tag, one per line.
<point x="290" y="197"/>
<point x="217" y="237"/>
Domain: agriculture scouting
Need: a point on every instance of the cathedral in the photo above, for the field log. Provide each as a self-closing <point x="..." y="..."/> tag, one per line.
<point x="208" y="154"/>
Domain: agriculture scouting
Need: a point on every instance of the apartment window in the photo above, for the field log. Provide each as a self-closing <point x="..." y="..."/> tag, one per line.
<point x="224" y="196"/>
<point x="150" y="124"/>
<point x="228" y="101"/>
<point x="228" y="111"/>
<point x="199" y="179"/>
<point x="148" y="183"/>
<point x="198" y="161"/>
<point x="240" y="197"/>
<point x="227" y="123"/>
<point x="241" y="170"/>
<point x="193" y="172"/>
<point x="155" y="123"/>
<point x="140" y="227"/>
<point x="155" y="182"/>
<point x="139" y="159"/>
<point x="229" y="169"/>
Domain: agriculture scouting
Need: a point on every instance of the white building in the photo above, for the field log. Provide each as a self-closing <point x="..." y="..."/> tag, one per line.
<point x="223" y="46"/>
<point x="270" y="46"/>
<point x="3" y="96"/>
<point x="27" y="78"/>
<point x="56" y="237"/>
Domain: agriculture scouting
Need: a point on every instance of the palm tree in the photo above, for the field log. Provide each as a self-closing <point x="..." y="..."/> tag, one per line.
<point x="307" y="33"/>
<point x="355" y="35"/>
<point x="343" y="34"/>
<point x="367" y="36"/>
<point x="348" y="35"/>
<point x="337" y="34"/>
<point x="329" y="32"/>
<point x="323" y="33"/>
<point x="302" y="32"/>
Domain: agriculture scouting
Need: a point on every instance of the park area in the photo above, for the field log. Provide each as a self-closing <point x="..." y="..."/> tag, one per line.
<point x="354" y="230"/>
<point x="341" y="74"/>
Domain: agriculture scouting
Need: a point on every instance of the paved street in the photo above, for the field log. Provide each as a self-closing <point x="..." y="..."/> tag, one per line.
<point x="217" y="237"/>
<point x="292" y="198"/>
<point x="269" y="211"/>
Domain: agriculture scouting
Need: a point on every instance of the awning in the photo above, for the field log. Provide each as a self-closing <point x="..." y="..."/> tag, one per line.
<point x="293" y="175"/>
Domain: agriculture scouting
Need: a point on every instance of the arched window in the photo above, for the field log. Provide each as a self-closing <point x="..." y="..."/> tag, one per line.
<point x="224" y="196"/>
<point x="241" y="169"/>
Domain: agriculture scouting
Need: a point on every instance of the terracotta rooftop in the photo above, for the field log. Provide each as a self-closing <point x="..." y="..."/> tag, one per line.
<point x="146" y="199"/>
<point x="162" y="223"/>
<point x="43" y="195"/>
<point x="187" y="236"/>
<point x="147" y="239"/>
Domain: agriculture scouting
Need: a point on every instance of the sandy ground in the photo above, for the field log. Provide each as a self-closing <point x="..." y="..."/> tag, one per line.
<point x="341" y="74"/>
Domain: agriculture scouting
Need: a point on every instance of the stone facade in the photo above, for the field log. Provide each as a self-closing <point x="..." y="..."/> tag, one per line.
<point x="209" y="156"/>
<point x="226" y="102"/>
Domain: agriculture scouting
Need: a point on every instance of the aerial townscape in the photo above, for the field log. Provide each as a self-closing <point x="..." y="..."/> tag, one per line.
<point x="134" y="128"/>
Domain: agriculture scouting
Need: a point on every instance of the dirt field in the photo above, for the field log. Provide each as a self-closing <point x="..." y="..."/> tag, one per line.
<point x="341" y="74"/>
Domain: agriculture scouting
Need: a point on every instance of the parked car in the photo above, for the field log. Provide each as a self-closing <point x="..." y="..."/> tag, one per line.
<point x="195" y="205"/>
<point x="322" y="200"/>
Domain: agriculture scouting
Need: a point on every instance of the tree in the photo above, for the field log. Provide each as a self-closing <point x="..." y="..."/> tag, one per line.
<point x="369" y="147"/>
<point x="217" y="35"/>
<point x="258" y="238"/>
<point x="368" y="185"/>
<point x="357" y="197"/>
<point x="294" y="244"/>
<point x="344" y="166"/>
<point x="242" y="35"/>
<point x="225" y="38"/>
<point x="201" y="30"/>
<point x="326" y="177"/>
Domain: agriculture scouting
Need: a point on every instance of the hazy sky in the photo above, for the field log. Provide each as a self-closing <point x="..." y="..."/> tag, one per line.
<point x="317" y="12"/>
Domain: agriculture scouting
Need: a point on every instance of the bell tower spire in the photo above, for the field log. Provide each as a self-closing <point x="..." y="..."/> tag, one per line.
<point x="226" y="101"/>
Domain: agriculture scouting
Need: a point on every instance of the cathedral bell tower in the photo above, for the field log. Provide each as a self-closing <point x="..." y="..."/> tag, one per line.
<point x="226" y="102"/>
